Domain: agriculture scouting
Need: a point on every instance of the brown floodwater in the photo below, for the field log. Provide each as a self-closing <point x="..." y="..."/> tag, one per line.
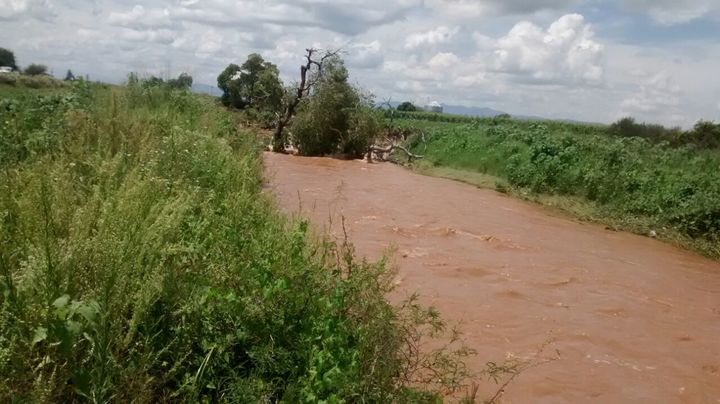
<point x="634" y="319"/>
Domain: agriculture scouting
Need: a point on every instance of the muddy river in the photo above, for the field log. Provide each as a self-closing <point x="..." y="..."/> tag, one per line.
<point x="634" y="319"/>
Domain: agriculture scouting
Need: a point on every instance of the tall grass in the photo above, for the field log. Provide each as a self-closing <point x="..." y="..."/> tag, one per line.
<point x="140" y="262"/>
<point x="632" y="182"/>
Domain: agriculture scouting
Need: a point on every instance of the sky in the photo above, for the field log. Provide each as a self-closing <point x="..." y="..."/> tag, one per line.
<point x="591" y="60"/>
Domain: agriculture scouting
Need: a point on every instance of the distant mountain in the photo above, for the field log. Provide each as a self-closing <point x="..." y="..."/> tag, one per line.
<point x="471" y="111"/>
<point x="206" y="89"/>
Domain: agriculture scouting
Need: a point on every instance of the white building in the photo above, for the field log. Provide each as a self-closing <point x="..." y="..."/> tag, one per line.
<point x="6" y="69"/>
<point x="434" y="107"/>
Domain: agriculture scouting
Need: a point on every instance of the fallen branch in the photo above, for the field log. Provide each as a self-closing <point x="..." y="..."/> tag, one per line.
<point x="384" y="151"/>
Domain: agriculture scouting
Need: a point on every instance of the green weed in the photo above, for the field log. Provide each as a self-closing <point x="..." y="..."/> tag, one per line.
<point x="140" y="262"/>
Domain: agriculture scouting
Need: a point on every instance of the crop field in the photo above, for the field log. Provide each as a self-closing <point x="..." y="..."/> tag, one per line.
<point x="628" y="182"/>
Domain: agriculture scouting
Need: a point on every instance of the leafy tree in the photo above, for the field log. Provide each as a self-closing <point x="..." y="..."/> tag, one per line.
<point x="69" y="76"/>
<point x="407" y="106"/>
<point x="153" y="81"/>
<point x="7" y="58"/>
<point x="228" y="83"/>
<point x="706" y="134"/>
<point x="336" y="117"/>
<point x="184" y="81"/>
<point x="35" y="70"/>
<point x="255" y="83"/>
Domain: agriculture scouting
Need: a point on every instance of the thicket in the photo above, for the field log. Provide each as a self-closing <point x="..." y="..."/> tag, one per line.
<point x="704" y="134"/>
<point x="672" y="187"/>
<point x="253" y="87"/>
<point x="20" y="80"/>
<point x="182" y="82"/>
<point x="335" y="117"/>
<point x="141" y="262"/>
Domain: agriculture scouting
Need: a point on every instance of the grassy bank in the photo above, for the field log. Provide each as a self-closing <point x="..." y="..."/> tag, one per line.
<point x="628" y="183"/>
<point x="140" y="262"/>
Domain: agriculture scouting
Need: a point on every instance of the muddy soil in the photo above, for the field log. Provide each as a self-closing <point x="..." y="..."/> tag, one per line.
<point x="634" y="319"/>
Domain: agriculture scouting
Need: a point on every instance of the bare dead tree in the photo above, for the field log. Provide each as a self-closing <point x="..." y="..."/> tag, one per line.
<point x="306" y="83"/>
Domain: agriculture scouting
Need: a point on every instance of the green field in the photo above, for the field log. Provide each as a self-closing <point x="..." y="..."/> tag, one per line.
<point x="629" y="183"/>
<point x="141" y="262"/>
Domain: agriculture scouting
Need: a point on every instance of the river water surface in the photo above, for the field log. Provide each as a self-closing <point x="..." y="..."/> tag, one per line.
<point x="634" y="320"/>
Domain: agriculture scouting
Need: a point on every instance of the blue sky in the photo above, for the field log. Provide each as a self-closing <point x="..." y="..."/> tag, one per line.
<point x="595" y="60"/>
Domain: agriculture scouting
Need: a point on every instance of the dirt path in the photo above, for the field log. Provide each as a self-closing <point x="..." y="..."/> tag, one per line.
<point x="635" y="320"/>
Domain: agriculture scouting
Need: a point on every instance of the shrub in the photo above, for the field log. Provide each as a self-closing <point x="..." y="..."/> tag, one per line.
<point x="35" y="70"/>
<point x="141" y="262"/>
<point x="9" y="78"/>
<point x="407" y="106"/>
<point x="335" y="117"/>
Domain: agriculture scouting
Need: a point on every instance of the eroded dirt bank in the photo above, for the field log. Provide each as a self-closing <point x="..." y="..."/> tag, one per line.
<point x="635" y="320"/>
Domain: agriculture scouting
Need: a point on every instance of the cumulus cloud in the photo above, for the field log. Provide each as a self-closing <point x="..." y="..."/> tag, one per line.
<point x="564" y="53"/>
<point x="365" y="55"/>
<point x="16" y="9"/>
<point x="139" y="18"/>
<point x="671" y="12"/>
<point x="439" y="35"/>
<point x="162" y="36"/>
<point x="443" y="60"/>
<point x="475" y="8"/>
<point x="343" y="16"/>
<point x="484" y="52"/>
<point x="655" y="95"/>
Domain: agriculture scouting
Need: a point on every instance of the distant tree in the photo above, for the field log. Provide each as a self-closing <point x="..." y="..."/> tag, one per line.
<point x="625" y="127"/>
<point x="183" y="81"/>
<point x="335" y="117"/>
<point x="230" y="86"/>
<point x="255" y="83"/>
<point x="706" y="134"/>
<point x="35" y="70"/>
<point x="407" y="106"/>
<point x="69" y="76"/>
<point x="7" y="58"/>
<point x="153" y="81"/>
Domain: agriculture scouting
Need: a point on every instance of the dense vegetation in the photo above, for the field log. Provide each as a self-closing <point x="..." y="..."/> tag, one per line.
<point x="254" y="87"/>
<point x="336" y="118"/>
<point x="141" y="262"/>
<point x="631" y="181"/>
<point x="704" y="134"/>
<point x="324" y="115"/>
<point x="7" y="59"/>
<point x="24" y="81"/>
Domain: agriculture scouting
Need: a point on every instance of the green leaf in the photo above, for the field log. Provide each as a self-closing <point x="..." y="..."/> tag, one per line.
<point x="40" y="335"/>
<point x="89" y="311"/>
<point x="61" y="302"/>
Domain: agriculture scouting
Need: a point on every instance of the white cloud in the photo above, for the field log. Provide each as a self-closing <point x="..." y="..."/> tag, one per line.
<point x="162" y="36"/>
<point x="564" y="53"/>
<point x="443" y="60"/>
<point x="655" y="95"/>
<point x="476" y="8"/>
<point x="671" y="12"/>
<point x="210" y="42"/>
<point x="15" y="9"/>
<point x="140" y="18"/>
<point x="505" y="54"/>
<point x="439" y="35"/>
<point x="365" y="55"/>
